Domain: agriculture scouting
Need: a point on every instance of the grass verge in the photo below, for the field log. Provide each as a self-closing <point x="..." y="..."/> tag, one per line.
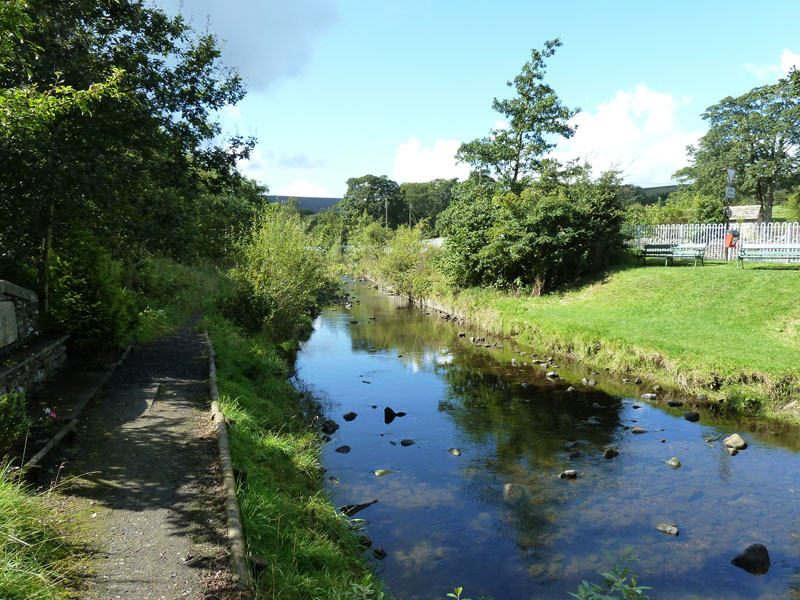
<point x="288" y="521"/>
<point x="728" y="333"/>
<point x="34" y="561"/>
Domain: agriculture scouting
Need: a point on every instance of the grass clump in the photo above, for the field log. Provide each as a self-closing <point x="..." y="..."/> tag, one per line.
<point x="288" y="521"/>
<point x="33" y="559"/>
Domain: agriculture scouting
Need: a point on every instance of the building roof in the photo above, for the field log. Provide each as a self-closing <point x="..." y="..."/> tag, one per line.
<point x="308" y="203"/>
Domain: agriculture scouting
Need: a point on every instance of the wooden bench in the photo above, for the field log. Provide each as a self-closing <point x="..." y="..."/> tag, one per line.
<point x="669" y="252"/>
<point x="766" y="252"/>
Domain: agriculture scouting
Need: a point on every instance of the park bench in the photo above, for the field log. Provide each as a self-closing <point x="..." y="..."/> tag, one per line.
<point x="767" y="252"/>
<point x="669" y="252"/>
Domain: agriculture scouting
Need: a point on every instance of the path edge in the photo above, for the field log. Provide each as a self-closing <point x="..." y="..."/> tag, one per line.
<point x="241" y="570"/>
<point x="31" y="468"/>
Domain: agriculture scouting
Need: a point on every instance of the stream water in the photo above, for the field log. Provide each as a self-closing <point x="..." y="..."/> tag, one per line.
<point x="446" y="520"/>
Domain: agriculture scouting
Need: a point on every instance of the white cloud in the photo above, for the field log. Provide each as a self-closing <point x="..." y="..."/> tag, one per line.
<point x="636" y="132"/>
<point x="771" y="72"/>
<point x="414" y="162"/>
<point x="301" y="187"/>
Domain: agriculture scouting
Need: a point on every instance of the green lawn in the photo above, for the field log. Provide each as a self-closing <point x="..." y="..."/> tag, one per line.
<point x="693" y="324"/>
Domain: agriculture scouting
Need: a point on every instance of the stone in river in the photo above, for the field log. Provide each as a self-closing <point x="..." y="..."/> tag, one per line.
<point x="380" y="553"/>
<point x="669" y="528"/>
<point x="692" y="416"/>
<point x="343" y="449"/>
<point x="349" y="416"/>
<point x="649" y="397"/>
<point x="610" y="453"/>
<point x="455" y="451"/>
<point x="754" y="559"/>
<point x="735" y="441"/>
<point x="732" y="451"/>
<point x="381" y="472"/>
<point x="674" y="403"/>
<point x="329" y="427"/>
<point x="638" y="429"/>
<point x="674" y="463"/>
<point x="569" y="474"/>
<point x="512" y="491"/>
<point x="406" y="442"/>
<point x="711" y="438"/>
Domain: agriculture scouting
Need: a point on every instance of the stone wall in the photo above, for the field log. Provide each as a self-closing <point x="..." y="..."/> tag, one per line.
<point x="19" y="317"/>
<point x="29" y="368"/>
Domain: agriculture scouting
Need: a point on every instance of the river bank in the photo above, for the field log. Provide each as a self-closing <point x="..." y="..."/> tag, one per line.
<point x="728" y="338"/>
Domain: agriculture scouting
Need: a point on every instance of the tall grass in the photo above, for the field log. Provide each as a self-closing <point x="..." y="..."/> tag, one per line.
<point x="309" y="549"/>
<point x="33" y="559"/>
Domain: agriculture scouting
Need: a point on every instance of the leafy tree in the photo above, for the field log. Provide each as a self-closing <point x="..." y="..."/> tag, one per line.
<point x="758" y="134"/>
<point x="380" y="197"/>
<point x="794" y="206"/>
<point x="425" y="201"/>
<point x="127" y="133"/>
<point x="513" y="155"/>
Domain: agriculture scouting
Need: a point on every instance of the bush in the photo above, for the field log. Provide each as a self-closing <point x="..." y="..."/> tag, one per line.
<point x="14" y="422"/>
<point x="794" y="206"/>
<point x="280" y="278"/>
<point x="406" y="263"/>
<point x="542" y="240"/>
<point x="88" y="299"/>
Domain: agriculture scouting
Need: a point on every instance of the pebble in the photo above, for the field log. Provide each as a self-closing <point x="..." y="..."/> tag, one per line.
<point x="669" y="528"/>
<point x="569" y="474"/>
<point x="674" y="463"/>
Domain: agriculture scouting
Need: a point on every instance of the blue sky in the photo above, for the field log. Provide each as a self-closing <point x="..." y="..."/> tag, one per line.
<point x="340" y="89"/>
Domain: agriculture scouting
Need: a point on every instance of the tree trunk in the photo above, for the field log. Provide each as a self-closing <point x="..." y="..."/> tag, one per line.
<point x="769" y="199"/>
<point x="47" y="246"/>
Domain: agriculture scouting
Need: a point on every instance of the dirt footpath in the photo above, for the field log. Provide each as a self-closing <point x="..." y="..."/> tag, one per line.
<point x="141" y="484"/>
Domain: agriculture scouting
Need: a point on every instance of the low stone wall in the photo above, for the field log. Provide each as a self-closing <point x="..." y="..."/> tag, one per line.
<point x="28" y="369"/>
<point x="19" y="317"/>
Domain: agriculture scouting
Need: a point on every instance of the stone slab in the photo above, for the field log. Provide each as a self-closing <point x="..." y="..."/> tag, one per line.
<point x="8" y="324"/>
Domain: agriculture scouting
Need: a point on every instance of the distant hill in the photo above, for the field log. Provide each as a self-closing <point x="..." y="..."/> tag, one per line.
<point x="308" y="203"/>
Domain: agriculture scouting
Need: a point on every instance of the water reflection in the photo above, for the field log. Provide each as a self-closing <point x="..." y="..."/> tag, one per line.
<point x="497" y="519"/>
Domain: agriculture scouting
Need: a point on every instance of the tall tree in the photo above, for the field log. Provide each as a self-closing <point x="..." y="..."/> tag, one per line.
<point x="134" y="157"/>
<point x="380" y="197"/>
<point x="426" y="200"/>
<point x="758" y="134"/>
<point x="513" y="155"/>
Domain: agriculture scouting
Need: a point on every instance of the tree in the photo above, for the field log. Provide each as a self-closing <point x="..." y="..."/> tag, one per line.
<point x="426" y="200"/>
<point x="379" y="197"/>
<point x="513" y="155"/>
<point x="758" y="134"/>
<point x="127" y="164"/>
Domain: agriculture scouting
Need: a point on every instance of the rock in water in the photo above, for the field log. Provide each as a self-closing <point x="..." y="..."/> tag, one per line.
<point x="381" y="472"/>
<point x="638" y="429"/>
<point x="674" y="403"/>
<point x="329" y="427"/>
<point x="692" y="416"/>
<point x="349" y="416"/>
<point x="649" y="397"/>
<point x="754" y="559"/>
<point x="455" y="451"/>
<point x="351" y="509"/>
<point x="669" y="528"/>
<point x="674" y="463"/>
<point x="513" y="491"/>
<point x="406" y="442"/>
<point x="388" y="415"/>
<point x="343" y="449"/>
<point x="610" y="453"/>
<point x="380" y="553"/>
<point x="569" y="474"/>
<point x="734" y="441"/>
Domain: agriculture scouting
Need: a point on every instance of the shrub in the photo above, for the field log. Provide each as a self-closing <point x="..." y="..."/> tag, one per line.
<point x="794" y="206"/>
<point x="88" y="300"/>
<point x="406" y="264"/>
<point x="14" y="422"/>
<point x="280" y="278"/>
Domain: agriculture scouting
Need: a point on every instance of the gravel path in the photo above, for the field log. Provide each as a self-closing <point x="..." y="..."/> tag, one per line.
<point x="142" y="482"/>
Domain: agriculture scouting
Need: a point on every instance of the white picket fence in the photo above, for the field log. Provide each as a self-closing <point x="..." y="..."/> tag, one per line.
<point x="713" y="235"/>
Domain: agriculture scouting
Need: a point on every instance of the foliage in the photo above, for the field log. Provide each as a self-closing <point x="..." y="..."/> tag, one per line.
<point x="280" y="278"/>
<point x="379" y="197"/>
<point x="406" y="262"/>
<point x="368" y="240"/>
<point x="546" y="238"/>
<point x="615" y="583"/>
<point x="426" y="200"/>
<point x="683" y="206"/>
<point x="513" y="154"/>
<point x="794" y="206"/>
<point x="14" y="421"/>
<point x="89" y="302"/>
<point x="755" y="133"/>
<point x="32" y="554"/>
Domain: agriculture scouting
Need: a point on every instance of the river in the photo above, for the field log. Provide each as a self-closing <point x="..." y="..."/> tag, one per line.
<point x="497" y="519"/>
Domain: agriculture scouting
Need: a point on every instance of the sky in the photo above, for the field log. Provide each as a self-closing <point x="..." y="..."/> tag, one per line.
<point x="344" y="88"/>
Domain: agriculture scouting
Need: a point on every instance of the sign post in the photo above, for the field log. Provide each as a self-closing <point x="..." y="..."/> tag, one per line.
<point x="730" y="194"/>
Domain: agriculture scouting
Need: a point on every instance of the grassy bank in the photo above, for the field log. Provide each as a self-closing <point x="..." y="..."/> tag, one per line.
<point x="728" y="333"/>
<point x="34" y="561"/>
<point x="288" y="520"/>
